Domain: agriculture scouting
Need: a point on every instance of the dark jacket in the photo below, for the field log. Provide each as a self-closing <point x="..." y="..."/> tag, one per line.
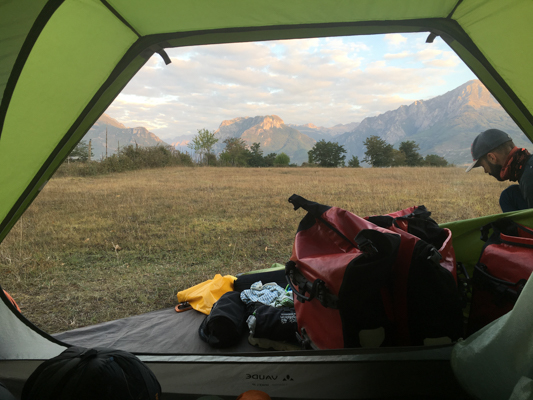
<point x="526" y="182"/>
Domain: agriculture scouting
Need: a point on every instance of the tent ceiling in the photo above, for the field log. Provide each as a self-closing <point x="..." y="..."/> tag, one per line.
<point x="63" y="62"/>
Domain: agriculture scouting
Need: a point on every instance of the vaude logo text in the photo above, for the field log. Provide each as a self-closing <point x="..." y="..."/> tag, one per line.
<point x="261" y="377"/>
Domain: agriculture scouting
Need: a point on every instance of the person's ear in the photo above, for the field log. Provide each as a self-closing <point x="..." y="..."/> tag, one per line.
<point x="492" y="158"/>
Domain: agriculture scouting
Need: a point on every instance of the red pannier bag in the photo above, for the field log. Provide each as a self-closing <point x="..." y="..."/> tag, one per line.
<point x="427" y="302"/>
<point x="505" y="265"/>
<point x="412" y="300"/>
<point x="340" y="271"/>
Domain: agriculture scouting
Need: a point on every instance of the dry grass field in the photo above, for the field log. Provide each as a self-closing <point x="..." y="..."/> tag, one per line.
<point x="94" y="249"/>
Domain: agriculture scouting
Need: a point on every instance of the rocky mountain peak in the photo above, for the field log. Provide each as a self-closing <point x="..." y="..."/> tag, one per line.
<point x="478" y="96"/>
<point x="231" y="121"/>
<point x="107" y="120"/>
<point x="271" y="121"/>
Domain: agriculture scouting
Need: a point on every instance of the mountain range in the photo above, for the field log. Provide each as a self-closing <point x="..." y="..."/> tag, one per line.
<point x="444" y="125"/>
<point x="320" y="132"/>
<point x="118" y="135"/>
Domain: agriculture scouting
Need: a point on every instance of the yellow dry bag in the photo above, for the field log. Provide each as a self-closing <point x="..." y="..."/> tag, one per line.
<point x="201" y="297"/>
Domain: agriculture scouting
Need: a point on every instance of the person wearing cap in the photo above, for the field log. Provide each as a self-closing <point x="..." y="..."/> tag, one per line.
<point x="495" y="151"/>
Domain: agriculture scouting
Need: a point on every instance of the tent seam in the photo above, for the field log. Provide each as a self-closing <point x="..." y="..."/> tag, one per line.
<point x="120" y="17"/>
<point x="33" y="35"/>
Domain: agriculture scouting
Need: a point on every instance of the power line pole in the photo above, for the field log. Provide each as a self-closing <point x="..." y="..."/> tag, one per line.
<point x="106" y="141"/>
<point x="89" y="155"/>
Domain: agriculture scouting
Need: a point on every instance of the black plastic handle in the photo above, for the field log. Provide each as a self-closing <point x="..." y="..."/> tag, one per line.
<point x="290" y="268"/>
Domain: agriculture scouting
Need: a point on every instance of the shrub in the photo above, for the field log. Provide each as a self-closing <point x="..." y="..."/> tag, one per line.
<point x="127" y="159"/>
<point x="282" y="160"/>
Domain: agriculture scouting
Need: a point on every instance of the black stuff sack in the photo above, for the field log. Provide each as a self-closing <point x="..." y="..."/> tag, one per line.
<point x="274" y="323"/>
<point x="225" y="325"/>
<point x="79" y="373"/>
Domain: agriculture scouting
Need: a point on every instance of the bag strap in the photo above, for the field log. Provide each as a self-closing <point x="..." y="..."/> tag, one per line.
<point x="503" y="225"/>
<point x="315" y="209"/>
<point x="420" y="212"/>
<point x="503" y="289"/>
<point x="464" y="284"/>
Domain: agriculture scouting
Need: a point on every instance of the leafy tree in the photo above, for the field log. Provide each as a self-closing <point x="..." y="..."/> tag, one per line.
<point x="378" y="152"/>
<point x="80" y="152"/>
<point x="412" y="156"/>
<point x="282" y="160"/>
<point x="354" y="162"/>
<point x="398" y="158"/>
<point x="235" y="152"/>
<point x="203" y="143"/>
<point x="256" y="157"/>
<point x="269" y="159"/>
<point x="327" y="154"/>
<point x="435" y="161"/>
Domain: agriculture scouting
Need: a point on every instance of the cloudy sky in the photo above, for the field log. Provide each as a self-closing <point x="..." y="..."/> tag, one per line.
<point x="321" y="81"/>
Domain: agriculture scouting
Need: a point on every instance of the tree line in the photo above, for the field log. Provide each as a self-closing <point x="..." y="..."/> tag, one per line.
<point x="378" y="153"/>
<point x="236" y="152"/>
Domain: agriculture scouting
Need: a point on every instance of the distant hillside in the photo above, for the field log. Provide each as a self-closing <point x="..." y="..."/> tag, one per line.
<point x="320" y="132"/>
<point x="445" y="125"/>
<point x="271" y="132"/>
<point x="181" y="142"/>
<point x="118" y="135"/>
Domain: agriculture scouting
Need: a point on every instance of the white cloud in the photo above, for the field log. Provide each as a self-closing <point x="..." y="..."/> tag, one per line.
<point x="395" y="39"/>
<point x="396" y="56"/>
<point x="428" y="54"/>
<point x="322" y="81"/>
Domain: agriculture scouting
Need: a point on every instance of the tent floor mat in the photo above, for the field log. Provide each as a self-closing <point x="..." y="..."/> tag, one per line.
<point x="158" y="332"/>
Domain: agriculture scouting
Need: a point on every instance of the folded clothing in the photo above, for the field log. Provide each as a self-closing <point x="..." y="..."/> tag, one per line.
<point x="269" y="294"/>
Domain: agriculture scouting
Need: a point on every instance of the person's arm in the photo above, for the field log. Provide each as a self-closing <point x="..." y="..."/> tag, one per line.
<point x="526" y="184"/>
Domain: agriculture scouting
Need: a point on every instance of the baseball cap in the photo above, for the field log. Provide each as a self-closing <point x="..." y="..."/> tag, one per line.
<point x="485" y="142"/>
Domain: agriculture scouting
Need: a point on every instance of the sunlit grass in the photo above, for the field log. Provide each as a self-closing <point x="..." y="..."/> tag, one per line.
<point x="94" y="249"/>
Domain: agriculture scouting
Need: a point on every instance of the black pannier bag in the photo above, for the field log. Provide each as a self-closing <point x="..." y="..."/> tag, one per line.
<point x="79" y="373"/>
<point x="226" y="323"/>
<point x="340" y="271"/>
<point x="426" y="298"/>
<point x="505" y="265"/>
<point x="390" y="295"/>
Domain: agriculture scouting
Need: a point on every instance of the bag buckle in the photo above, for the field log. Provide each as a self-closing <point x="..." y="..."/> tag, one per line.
<point x="366" y="246"/>
<point x="435" y="256"/>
